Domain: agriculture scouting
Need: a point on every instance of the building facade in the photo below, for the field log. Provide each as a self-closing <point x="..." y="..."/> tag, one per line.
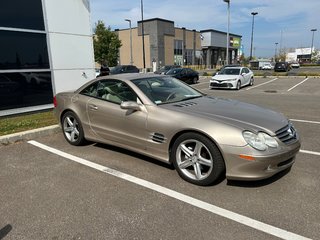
<point x="46" y="47"/>
<point x="166" y="44"/>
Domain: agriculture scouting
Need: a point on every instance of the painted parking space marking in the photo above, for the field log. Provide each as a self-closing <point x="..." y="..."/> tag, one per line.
<point x="297" y="85"/>
<point x="262" y="84"/>
<point x="269" y="229"/>
<point x="304" y="121"/>
<point x="310" y="152"/>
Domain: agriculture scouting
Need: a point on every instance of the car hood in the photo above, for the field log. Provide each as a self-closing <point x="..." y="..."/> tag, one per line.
<point x="232" y="112"/>
<point x="224" y="77"/>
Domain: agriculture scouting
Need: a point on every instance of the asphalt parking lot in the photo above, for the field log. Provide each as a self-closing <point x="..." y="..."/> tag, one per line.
<point x="52" y="190"/>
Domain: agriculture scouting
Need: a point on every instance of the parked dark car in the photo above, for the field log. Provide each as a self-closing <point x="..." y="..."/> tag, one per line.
<point x="166" y="68"/>
<point x="124" y="69"/>
<point x="184" y="74"/>
<point x="282" y="67"/>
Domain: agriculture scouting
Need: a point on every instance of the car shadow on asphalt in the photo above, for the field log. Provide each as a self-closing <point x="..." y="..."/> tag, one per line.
<point x="134" y="154"/>
<point x="259" y="183"/>
<point x="5" y="231"/>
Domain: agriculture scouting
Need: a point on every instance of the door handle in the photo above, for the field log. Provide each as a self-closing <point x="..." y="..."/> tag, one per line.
<point x="93" y="107"/>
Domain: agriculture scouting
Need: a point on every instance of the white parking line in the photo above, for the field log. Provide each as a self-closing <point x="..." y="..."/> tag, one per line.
<point x="310" y="152"/>
<point x="262" y="84"/>
<point x="297" y="85"/>
<point x="304" y="121"/>
<point x="179" y="196"/>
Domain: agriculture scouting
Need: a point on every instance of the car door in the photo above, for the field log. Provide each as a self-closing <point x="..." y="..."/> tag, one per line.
<point x="110" y="122"/>
<point x="246" y="76"/>
<point x="183" y="75"/>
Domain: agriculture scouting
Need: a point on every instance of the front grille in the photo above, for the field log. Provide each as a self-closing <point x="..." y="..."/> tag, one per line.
<point x="285" y="162"/>
<point x="287" y="134"/>
<point x="224" y="85"/>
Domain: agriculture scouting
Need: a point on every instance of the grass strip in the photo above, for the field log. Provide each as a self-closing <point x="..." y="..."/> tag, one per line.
<point x="14" y="124"/>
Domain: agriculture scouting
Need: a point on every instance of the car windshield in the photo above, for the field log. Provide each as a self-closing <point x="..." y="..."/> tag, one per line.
<point x="230" y="71"/>
<point x="174" y="71"/>
<point x="162" y="90"/>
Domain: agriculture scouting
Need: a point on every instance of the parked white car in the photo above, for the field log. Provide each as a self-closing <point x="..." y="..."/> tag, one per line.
<point x="295" y="65"/>
<point x="232" y="78"/>
<point x="267" y="66"/>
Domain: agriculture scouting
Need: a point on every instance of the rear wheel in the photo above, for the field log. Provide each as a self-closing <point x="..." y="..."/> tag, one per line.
<point x="197" y="159"/>
<point x="194" y="80"/>
<point x="251" y="81"/>
<point x="72" y="129"/>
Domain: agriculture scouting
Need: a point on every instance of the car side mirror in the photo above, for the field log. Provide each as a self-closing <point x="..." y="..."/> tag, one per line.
<point x="130" y="105"/>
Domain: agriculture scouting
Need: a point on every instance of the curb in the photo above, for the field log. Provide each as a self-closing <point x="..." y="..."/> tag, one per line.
<point x="28" y="135"/>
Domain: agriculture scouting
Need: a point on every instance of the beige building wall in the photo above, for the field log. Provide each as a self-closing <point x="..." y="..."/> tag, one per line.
<point x="137" y="57"/>
<point x="178" y="34"/>
<point x="169" y="50"/>
<point x="189" y="38"/>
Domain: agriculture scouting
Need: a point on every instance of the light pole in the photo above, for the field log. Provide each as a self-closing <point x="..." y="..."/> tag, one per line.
<point x="253" y="14"/>
<point x="131" y="60"/>
<point x="275" y="52"/>
<point x="142" y="30"/>
<point x="228" y="38"/>
<point x="312" y="30"/>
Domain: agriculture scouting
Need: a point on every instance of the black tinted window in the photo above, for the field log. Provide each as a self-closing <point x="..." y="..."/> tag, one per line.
<point x="21" y="50"/>
<point x="21" y="14"/>
<point x="25" y="89"/>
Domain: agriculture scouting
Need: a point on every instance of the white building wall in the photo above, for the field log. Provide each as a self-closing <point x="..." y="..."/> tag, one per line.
<point x="70" y="43"/>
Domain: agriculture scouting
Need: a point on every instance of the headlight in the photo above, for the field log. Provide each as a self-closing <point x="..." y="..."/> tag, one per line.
<point x="260" y="141"/>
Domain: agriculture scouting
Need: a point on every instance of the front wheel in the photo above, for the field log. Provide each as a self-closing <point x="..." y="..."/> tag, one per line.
<point x="72" y="129"/>
<point x="238" y="85"/>
<point x="197" y="159"/>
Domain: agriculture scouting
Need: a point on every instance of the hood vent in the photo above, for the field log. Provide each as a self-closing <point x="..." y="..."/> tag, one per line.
<point x="158" y="137"/>
<point x="186" y="104"/>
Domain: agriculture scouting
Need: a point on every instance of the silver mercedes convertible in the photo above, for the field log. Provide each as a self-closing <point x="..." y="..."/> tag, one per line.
<point x="204" y="137"/>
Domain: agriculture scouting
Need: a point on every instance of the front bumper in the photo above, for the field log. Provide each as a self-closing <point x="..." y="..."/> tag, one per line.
<point x="222" y="84"/>
<point x="264" y="166"/>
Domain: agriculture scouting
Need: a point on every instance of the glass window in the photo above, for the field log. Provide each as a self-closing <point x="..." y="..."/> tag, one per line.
<point x="162" y="90"/>
<point x="21" y="50"/>
<point x="111" y="90"/>
<point x="25" y="89"/>
<point x="177" y="47"/>
<point x="21" y="14"/>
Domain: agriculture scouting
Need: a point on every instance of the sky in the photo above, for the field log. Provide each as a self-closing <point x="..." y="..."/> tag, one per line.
<point x="286" y="22"/>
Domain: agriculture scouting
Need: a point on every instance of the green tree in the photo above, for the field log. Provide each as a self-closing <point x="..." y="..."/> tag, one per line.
<point x="106" y="45"/>
<point x="315" y="56"/>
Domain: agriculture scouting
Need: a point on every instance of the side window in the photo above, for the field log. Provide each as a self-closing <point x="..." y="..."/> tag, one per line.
<point x="111" y="90"/>
<point x="91" y="90"/>
<point x="117" y="91"/>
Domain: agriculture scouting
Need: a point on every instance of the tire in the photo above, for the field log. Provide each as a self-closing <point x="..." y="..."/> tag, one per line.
<point x="194" y="80"/>
<point x="197" y="159"/>
<point x="72" y="129"/>
<point x="238" y="85"/>
<point x="251" y="81"/>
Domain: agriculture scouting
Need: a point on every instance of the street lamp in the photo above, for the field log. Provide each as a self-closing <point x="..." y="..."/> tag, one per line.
<point x="128" y="20"/>
<point x="142" y="30"/>
<point x="312" y="30"/>
<point x="275" y="51"/>
<point x="253" y="14"/>
<point x="228" y="38"/>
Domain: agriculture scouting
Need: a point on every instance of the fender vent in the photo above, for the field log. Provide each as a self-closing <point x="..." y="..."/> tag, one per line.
<point x="158" y="137"/>
<point x="187" y="104"/>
